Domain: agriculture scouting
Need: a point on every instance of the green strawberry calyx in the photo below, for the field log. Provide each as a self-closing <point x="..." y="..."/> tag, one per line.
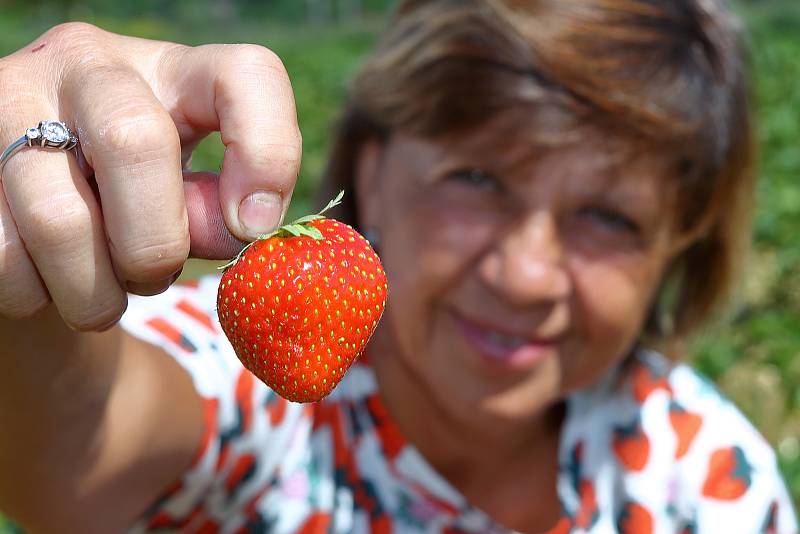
<point x="296" y="228"/>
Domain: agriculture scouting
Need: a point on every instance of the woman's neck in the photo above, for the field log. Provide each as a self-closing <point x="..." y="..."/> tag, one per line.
<point x="509" y="472"/>
<point x="457" y="447"/>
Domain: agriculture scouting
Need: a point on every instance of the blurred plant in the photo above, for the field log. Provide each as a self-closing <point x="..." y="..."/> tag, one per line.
<point x="756" y="358"/>
<point x="315" y="11"/>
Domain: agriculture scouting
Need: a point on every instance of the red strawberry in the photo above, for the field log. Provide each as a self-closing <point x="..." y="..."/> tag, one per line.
<point x="300" y="304"/>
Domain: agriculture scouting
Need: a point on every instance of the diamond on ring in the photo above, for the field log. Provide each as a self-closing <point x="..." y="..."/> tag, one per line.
<point x="52" y="134"/>
<point x="49" y="134"/>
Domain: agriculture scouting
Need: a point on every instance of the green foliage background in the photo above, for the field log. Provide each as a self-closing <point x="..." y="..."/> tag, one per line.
<point x="754" y="355"/>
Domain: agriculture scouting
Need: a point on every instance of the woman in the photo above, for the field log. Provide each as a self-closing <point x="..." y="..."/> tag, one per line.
<point x="552" y="187"/>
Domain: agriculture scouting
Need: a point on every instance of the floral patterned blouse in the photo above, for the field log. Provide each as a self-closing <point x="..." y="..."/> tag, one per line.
<point x="651" y="449"/>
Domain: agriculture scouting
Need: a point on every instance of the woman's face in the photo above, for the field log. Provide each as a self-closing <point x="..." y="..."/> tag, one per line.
<point x="515" y="275"/>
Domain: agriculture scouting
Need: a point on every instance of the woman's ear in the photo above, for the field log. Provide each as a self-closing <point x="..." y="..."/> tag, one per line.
<point x="367" y="183"/>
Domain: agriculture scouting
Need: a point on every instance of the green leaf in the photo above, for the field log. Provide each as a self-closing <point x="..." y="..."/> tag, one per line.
<point x="294" y="229"/>
<point x="307" y="219"/>
<point x="335" y="202"/>
<point x="312" y="232"/>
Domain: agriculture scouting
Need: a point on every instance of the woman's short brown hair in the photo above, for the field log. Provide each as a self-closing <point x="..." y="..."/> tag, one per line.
<point x="664" y="75"/>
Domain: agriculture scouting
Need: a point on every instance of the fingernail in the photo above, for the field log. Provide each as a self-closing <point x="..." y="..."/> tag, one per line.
<point x="148" y="289"/>
<point x="260" y="212"/>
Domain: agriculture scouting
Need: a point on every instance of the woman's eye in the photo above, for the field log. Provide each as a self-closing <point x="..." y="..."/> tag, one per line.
<point x="475" y="178"/>
<point x="611" y="219"/>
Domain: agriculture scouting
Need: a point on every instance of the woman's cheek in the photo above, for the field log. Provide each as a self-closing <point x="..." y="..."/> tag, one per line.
<point x="434" y="244"/>
<point x="425" y="264"/>
<point x="608" y="312"/>
<point x="415" y="268"/>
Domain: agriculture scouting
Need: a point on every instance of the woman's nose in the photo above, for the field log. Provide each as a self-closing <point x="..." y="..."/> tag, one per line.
<point x="527" y="264"/>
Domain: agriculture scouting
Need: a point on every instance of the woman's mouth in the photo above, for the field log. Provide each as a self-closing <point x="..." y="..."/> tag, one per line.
<point x="502" y="348"/>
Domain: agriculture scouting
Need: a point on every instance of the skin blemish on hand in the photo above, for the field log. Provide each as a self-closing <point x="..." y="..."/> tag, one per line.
<point x="38" y="47"/>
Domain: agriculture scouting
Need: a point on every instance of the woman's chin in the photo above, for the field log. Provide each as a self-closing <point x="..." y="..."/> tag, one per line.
<point x="512" y="407"/>
<point x="492" y="408"/>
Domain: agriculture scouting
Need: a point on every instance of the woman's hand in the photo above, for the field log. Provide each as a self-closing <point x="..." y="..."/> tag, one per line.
<point x="139" y="108"/>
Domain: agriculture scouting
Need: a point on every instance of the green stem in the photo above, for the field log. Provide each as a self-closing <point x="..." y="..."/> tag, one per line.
<point x="295" y="228"/>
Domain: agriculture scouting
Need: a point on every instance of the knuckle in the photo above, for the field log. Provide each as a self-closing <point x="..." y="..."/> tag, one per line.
<point x="154" y="261"/>
<point x="24" y="308"/>
<point x="55" y="222"/>
<point x="68" y="44"/>
<point x="86" y="66"/>
<point x="136" y="131"/>
<point x="269" y="148"/>
<point x="253" y="56"/>
<point x="254" y="67"/>
<point x="98" y="317"/>
<point x="279" y="156"/>
<point x="86" y="62"/>
<point x="69" y="31"/>
<point x="23" y="295"/>
<point x="21" y="292"/>
<point x="76" y="47"/>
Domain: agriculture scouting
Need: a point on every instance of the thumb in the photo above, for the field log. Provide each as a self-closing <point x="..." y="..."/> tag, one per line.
<point x="255" y="188"/>
<point x="244" y="92"/>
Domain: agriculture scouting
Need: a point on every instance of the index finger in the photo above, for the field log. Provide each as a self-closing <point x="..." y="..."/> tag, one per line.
<point x="244" y="92"/>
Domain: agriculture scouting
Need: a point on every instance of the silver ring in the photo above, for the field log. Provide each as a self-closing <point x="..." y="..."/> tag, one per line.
<point x="49" y="134"/>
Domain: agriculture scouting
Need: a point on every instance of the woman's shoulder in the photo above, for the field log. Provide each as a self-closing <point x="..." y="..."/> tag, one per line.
<point x="649" y="387"/>
<point x="680" y="412"/>
<point x="701" y="417"/>
<point x="678" y="449"/>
